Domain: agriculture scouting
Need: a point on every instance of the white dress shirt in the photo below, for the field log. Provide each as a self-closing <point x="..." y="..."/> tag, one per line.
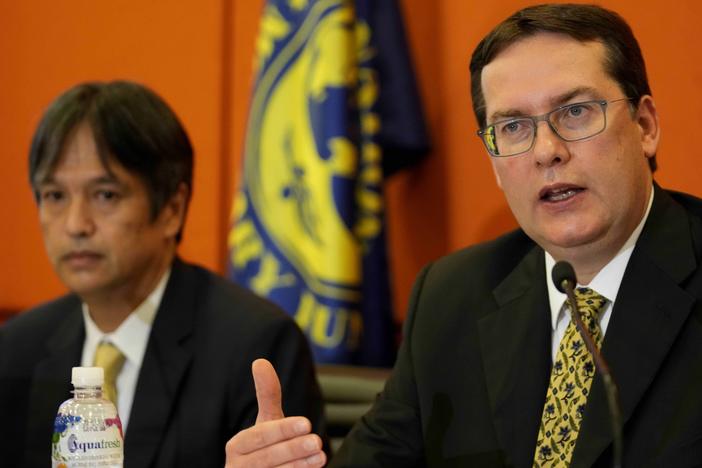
<point x="130" y="338"/>
<point x="606" y="283"/>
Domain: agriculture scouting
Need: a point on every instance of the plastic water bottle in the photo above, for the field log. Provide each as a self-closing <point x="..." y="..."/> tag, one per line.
<point x="87" y="430"/>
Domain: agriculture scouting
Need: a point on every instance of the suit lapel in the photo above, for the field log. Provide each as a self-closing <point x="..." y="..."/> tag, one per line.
<point x="649" y="311"/>
<point x="515" y="344"/>
<point x="51" y="380"/>
<point x="167" y="358"/>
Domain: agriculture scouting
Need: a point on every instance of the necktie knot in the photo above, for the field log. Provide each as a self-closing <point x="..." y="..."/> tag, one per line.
<point x="111" y="359"/>
<point x="590" y="305"/>
<point x="590" y="300"/>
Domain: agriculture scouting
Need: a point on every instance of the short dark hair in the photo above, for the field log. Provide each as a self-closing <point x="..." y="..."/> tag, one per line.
<point x="624" y="61"/>
<point x="131" y="125"/>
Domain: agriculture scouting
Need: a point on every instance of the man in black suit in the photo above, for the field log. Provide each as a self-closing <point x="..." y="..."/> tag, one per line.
<point x="561" y="96"/>
<point x="111" y="168"/>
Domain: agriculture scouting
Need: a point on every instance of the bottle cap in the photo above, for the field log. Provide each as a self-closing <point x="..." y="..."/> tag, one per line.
<point x="87" y="376"/>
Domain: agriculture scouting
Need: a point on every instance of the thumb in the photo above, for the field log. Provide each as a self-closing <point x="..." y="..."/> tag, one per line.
<point x="268" y="392"/>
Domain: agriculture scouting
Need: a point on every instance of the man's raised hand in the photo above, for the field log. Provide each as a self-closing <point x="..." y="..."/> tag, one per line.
<point x="274" y="441"/>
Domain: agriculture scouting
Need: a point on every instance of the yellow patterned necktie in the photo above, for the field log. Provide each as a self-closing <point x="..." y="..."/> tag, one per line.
<point x="111" y="359"/>
<point x="571" y="378"/>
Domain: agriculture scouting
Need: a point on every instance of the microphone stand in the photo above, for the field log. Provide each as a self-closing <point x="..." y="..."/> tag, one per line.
<point x="568" y="285"/>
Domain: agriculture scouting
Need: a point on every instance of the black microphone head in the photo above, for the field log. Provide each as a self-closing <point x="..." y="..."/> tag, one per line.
<point x="563" y="271"/>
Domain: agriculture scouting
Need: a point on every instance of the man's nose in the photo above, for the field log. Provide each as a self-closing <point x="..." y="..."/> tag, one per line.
<point x="549" y="149"/>
<point x="79" y="221"/>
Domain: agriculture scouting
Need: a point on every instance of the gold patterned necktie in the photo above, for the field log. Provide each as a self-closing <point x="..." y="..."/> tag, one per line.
<point x="571" y="378"/>
<point x="111" y="359"/>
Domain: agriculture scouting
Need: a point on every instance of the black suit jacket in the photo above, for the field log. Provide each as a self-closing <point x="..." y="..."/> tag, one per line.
<point x="470" y="381"/>
<point x="194" y="390"/>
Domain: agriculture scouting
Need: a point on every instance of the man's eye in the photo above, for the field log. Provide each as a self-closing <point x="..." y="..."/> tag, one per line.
<point x="107" y="195"/>
<point x="578" y="110"/>
<point x="511" y="127"/>
<point x="51" y="196"/>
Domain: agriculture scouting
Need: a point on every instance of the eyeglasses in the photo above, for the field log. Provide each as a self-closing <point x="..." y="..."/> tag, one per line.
<point x="571" y="122"/>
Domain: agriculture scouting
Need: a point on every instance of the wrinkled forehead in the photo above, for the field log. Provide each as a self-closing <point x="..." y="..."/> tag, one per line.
<point x="532" y="75"/>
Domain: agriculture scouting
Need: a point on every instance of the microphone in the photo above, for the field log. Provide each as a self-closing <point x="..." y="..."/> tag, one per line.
<point x="563" y="276"/>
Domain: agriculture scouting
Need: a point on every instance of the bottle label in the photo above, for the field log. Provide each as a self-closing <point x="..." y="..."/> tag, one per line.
<point x="86" y="442"/>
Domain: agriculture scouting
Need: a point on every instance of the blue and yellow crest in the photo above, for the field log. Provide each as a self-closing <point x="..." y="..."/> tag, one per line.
<point x="309" y="213"/>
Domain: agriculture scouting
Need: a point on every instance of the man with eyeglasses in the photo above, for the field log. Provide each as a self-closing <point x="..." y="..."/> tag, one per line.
<point x="491" y="371"/>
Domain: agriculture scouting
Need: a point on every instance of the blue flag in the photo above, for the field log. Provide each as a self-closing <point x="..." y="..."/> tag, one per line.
<point x="308" y="220"/>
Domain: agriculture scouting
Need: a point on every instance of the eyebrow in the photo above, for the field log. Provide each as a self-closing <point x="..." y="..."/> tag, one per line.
<point x="103" y="179"/>
<point x="555" y="102"/>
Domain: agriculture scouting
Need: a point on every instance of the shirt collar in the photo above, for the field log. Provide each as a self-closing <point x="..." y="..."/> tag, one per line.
<point x="133" y="333"/>
<point x="607" y="281"/>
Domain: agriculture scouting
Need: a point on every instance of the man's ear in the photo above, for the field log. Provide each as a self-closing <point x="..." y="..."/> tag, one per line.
<point x="173" y="212"/>
<point x="647" y="120"/>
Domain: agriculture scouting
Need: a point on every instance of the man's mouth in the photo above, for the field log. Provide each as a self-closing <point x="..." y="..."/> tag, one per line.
<point x="81" y="257"/>
<point x="557" y="194"/>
